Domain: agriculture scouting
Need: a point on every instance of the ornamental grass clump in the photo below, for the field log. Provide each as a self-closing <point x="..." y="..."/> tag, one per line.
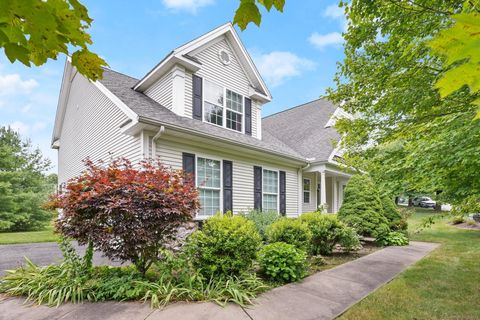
<point x="126" y="212"/>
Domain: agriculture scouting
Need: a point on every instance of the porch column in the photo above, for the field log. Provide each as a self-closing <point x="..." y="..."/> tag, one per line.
<point x="335" y="195"/>
<point x="323" y="189"/>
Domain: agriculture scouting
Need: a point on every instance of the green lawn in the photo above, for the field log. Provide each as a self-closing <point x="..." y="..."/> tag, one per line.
<point x="46" y="235"/>
<point x="444" y="285"/>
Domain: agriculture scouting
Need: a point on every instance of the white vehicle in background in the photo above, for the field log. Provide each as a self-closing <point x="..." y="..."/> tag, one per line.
<point x="424" y="202"/>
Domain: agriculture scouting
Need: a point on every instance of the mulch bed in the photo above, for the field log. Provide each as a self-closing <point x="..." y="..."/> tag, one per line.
<point x="467" y="226"/>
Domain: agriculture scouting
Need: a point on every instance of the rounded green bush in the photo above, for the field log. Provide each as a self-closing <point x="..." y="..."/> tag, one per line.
<point x="362" y="208"/>
<point x="282" y="262"/>
<point x="226" y="245"/>
<point x="327" y="231"/>
<point x="290" y="231"/>
<point x="392" y="239"/>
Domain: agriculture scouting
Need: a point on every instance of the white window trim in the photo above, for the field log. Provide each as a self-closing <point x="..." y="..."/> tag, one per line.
<point x="198" y="216"/>
<point x="224" y="111"/>
<point x="278" y="187"/>
<point x="309" y="190"/>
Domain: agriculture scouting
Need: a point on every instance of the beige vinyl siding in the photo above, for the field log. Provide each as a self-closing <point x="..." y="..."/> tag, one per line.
<point x="188" y="94"/>
<point x="91" y="128"/>
<point x="170" y="153"/>
<point x="312" y="206"/>
<point x="230" y="76"/>
<point x="161" y="91"/>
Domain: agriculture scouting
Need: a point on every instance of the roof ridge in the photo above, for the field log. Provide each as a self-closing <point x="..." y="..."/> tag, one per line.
<point x="300" y="105"/>
<point x="123" y="74"/>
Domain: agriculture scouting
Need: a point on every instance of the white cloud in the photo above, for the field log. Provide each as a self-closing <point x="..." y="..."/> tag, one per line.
<point x="190" y="6"/>
<point x="321" y="41"/>
<point x="13" y="84"/>
<point x="278" y="66"/>
<point x="334" y="11"/>
<point x="20" y="127"/>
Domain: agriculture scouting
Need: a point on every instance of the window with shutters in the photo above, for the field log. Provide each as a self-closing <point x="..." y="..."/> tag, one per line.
<point x="270" y="190"/>
<point x="209" y="184"/>
<point x="223" y="107"/>
<point x="306" y="190"/>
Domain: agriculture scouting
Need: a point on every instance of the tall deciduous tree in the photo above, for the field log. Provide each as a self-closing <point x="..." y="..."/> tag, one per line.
<point x="23" y="185"/>
<point x="405" y="133"/>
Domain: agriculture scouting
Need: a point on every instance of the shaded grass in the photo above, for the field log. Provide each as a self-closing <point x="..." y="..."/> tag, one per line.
<point x="444" y="285"/>
<point x="46" y="235"/>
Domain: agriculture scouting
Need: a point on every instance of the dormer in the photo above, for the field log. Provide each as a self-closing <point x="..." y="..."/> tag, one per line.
<point x="212" y="79"/>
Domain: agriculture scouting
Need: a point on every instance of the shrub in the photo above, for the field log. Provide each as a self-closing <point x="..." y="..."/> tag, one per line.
<point x="458" y="219"/>
<point x="349" y="240"/>
<point x="262" y="219"/>
<point x="226" y="245"/>
<point x="282" y="262"/>
<point x="393" y="238"/>
<point x="393" y="215"/>
<point x="291" y="231"/>
<point x="362" y="208"/>
<point x="127" y="213"/>
<point x="171" y="279"/>
<point x="468" y="206"/>
<point x="327" y="231"/>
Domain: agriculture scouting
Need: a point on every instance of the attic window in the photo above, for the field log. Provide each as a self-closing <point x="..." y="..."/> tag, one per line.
<point x="224" y="57"/>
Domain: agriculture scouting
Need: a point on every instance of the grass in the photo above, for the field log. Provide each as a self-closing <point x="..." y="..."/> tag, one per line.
<point x="45" y="235"/>
<point x="444" y="285"/>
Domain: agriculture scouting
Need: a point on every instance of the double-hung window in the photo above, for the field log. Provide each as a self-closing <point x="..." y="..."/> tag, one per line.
<point x="270" y="190"/>
<point x="306" y="190"/>
<point x="223" y="107"/>
<point x="209" y="185"/>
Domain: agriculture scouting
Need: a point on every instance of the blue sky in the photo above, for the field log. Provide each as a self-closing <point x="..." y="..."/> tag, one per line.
<point x="295" y="51"/>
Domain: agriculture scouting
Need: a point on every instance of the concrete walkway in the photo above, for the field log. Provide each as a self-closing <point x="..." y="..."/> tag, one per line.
<point x="324" y="295"/>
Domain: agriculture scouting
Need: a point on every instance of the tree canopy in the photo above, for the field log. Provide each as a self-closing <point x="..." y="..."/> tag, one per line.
<point x="408" y="135"/>
<point x="23" y="185"/>
<point x="33" y="31"/>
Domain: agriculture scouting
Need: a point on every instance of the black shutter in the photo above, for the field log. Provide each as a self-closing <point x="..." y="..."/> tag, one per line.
<point x="283" y="194"/>
<point x="197" y="97"/>
<point x="227" y="186"/>
<point x="257" y="188"/>
<point x="189" y="164"/>
<point x="248" y="116"/>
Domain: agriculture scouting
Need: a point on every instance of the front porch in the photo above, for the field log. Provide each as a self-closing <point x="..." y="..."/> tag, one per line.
<point x="323" y="185"/>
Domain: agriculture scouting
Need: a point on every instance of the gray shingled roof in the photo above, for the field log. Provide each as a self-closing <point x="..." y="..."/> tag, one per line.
<point x="303" y="129"/>
<point x="148" y="109"/>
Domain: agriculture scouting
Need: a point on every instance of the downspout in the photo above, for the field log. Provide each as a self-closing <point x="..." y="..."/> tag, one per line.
<point x="300" y="183"/>
<point x="155" y="137"/>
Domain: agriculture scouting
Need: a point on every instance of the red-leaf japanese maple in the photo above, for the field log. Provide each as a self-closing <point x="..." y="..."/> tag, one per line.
<point x="125" y="211"/>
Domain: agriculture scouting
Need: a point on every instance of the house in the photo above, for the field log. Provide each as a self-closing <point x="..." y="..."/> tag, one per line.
<point x="200" y="109"/>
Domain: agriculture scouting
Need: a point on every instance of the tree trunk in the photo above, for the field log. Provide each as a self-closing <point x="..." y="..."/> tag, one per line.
<point x="397" y="200"/>
<point x="410" y="201"/>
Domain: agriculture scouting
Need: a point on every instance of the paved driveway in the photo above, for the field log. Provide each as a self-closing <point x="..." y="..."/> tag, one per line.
<point x="13" y="255"/>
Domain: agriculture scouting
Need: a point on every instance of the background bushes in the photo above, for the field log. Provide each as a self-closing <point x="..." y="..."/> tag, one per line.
<point x="226" y="245"/>
<point x="262" y="219"/>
